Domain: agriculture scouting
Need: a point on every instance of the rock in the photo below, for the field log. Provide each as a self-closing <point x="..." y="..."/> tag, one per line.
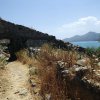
<point x="1" y="55"/>
<point x="80" y="68"/>
<point x="93" y="70"/>
<point x="2" y="67"/>
<point x="33" y="83"/>
<point x="97" y="84"/>
<point x="47" y="96"/>
<point x="22" y="91"/>
<point x="97" y="73"/>
<point x="97" y="59"/>
<point x="65" y="71"/>
<point x="83" y="62"/>
<point x="94" y="56"/>
<point x="61" y="64"/>
<point x="80" y="72"/>
<point x="91" y="81"/>
<point x="98" y="64"/>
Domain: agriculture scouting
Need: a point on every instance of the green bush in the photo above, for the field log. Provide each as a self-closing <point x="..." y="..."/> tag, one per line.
<point x="93" y="51"/>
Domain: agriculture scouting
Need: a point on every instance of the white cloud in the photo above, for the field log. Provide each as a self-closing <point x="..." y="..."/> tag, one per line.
<point x="79" y="27"/>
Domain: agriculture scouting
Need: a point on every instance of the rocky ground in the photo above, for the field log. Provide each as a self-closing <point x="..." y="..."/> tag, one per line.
<point x="83" y="79"/>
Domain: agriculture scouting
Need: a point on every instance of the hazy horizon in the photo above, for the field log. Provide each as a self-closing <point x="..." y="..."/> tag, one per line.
<point x="61" y="18"/>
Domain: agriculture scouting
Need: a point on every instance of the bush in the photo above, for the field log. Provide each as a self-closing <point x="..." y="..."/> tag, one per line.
<point x="93" y="51"/>
<point x="23" y="57"/>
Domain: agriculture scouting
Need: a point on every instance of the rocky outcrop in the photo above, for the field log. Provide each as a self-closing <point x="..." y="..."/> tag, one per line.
<point x="81" y="86"/>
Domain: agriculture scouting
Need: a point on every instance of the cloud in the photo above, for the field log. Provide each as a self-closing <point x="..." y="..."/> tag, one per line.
<point x="79" y="27"/>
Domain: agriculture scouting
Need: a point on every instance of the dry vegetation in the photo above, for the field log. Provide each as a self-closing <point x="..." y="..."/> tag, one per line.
<point x="23" y="57"/>
<point x="51" y="83"/>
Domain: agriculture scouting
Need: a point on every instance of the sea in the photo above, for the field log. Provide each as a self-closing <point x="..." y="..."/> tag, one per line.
<point x="86" y="44"/>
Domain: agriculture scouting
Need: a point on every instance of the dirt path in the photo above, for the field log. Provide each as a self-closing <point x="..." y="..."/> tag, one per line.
<point x="14" y="82"/>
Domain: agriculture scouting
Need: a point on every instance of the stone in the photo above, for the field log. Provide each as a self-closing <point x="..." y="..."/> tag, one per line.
<point x="80" y="68"/>
<point x="65" y="71"/>
<point x="99" y="64"/>
<point x="96" y="59"/>
<point x="2" y="67"/>
<point x="47" y="96"/>
<point x="23" y="91"/>
<point x="82" y="62"/>
<point x="33" y="83"/>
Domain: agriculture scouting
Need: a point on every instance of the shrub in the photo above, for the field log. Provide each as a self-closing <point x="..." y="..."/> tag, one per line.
<point x="52" y="83"/>
<point x="93" y="51"/>
<point x="23" y="57"/>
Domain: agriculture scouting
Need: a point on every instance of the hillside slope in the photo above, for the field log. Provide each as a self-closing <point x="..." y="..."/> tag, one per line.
<point x="10" y="30"/>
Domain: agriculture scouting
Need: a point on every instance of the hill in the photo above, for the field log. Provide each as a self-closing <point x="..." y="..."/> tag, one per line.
<point x="90" y="36"/>
<point x="9" y="30"/>
<point x="24" y="37"/>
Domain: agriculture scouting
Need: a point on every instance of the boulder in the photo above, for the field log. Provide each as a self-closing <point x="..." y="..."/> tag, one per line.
<point x="83" y="62"/>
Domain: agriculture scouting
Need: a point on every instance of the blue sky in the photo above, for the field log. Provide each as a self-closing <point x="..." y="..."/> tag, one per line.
<point x="62" y="18"/>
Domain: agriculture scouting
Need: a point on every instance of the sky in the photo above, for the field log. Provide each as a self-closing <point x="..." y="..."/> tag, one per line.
<point x="61" y="18"/>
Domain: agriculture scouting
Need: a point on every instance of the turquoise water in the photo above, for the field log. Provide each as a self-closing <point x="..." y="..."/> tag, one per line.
<point x="86" y="44"/>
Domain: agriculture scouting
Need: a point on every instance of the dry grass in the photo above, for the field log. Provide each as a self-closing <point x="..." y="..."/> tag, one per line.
<point x="23" y="57"/>
<point x="50" y="82"/>
<point x="94" y="73"/>
<point x="53" y="86"/>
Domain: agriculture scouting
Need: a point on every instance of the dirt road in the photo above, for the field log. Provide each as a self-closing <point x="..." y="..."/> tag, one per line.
<point x="14" y="82"/>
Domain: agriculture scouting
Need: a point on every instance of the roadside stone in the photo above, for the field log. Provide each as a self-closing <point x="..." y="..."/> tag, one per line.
<point x="65" y="71"/>
<point x="47" y="96"/>
<point x="96" y="59"/>
<point x="2" y="67"/>
<point x="82" y="62"/>
<point x="99" y="64"/>
<point x="23" y="91"/>
<point x="80" y="68"/>
<point x="33" y="83"/>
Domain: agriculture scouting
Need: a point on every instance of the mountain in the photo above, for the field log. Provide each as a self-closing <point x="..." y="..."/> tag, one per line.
<point x="90" y="36"/>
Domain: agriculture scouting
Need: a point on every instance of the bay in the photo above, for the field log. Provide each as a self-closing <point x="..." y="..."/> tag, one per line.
<point x="90" y="44"/>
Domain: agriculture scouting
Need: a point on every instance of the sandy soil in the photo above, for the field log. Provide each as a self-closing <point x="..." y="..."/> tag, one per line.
<point x="14" y="82"/>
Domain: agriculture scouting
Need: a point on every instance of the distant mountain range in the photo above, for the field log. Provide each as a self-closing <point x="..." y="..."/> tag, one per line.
<point x="90" y="36"/>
